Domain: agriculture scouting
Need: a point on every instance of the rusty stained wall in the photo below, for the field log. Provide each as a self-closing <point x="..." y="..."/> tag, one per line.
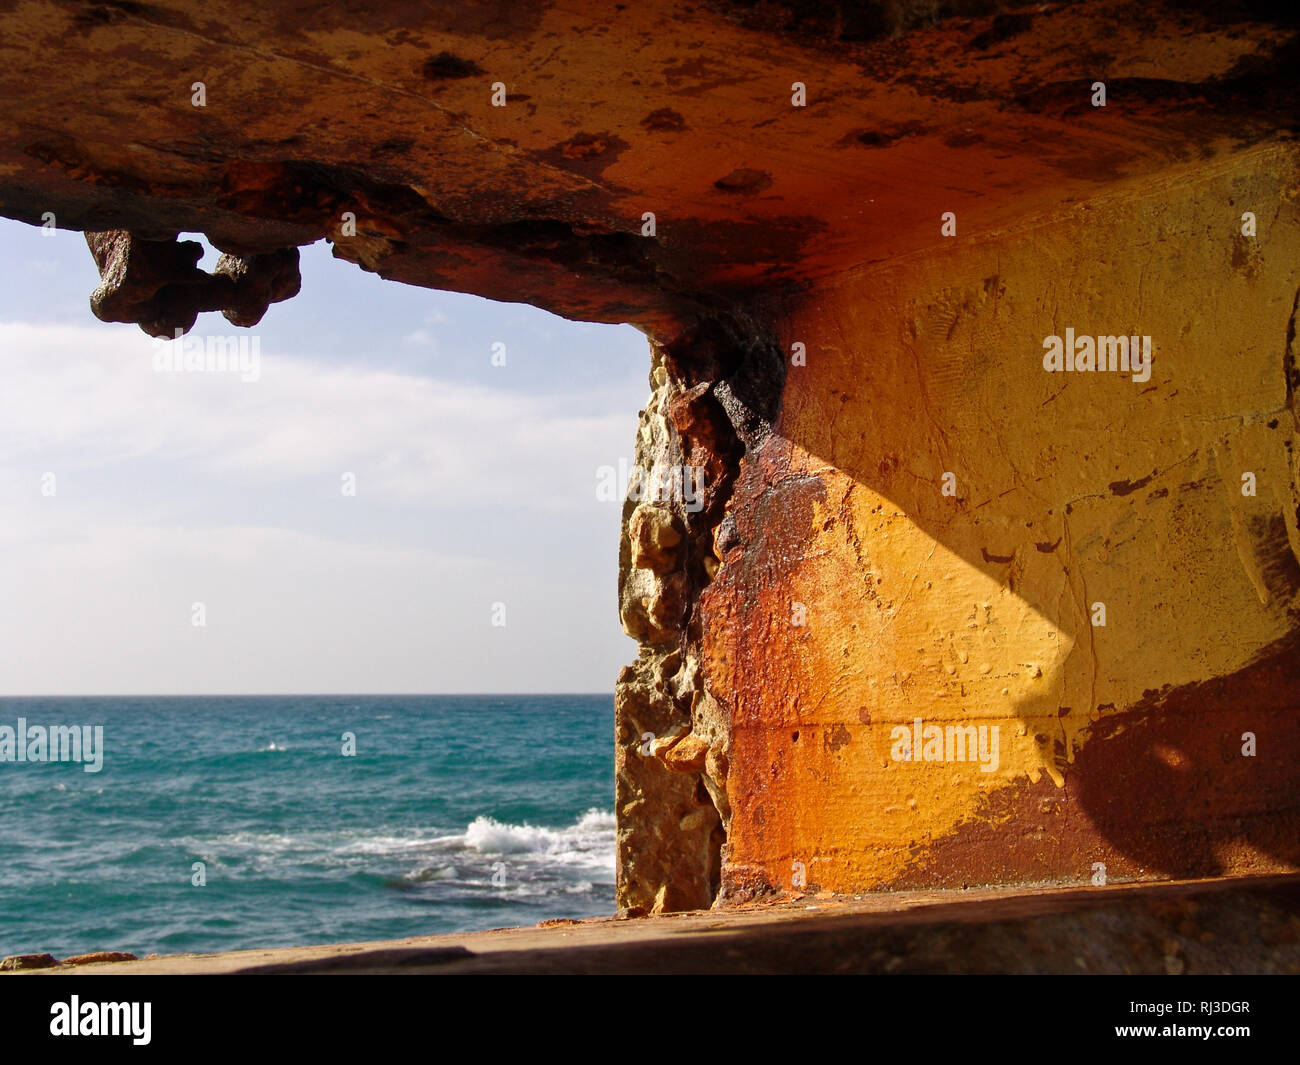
<point x="1119" y="744"/>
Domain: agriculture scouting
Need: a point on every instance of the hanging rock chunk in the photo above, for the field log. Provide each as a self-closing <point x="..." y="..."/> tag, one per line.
<point x="259" y="281"/>
<point x="157" y="283"/>
<point x="154" y="283"/>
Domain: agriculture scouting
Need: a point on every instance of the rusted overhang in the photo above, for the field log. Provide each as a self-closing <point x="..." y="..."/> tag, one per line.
<point x="686" y="111"/>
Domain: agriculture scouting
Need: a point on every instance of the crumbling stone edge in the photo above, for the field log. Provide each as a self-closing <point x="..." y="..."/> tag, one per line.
<point x="715" y="397"/>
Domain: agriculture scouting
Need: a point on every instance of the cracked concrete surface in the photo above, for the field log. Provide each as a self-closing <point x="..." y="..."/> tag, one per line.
<point x="1134" y="489"/>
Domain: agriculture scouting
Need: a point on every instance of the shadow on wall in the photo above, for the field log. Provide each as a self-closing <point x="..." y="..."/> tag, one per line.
<point x="980" y="604"/>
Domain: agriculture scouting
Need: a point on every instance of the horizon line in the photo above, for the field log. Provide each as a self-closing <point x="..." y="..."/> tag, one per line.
<point x="305" y="695"/>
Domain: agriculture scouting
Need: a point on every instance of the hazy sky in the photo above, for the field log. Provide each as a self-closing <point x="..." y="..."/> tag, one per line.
<point x="475" y="485"/>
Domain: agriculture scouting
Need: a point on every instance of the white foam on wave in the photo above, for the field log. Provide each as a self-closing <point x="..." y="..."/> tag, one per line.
<point x="538" y="860"/>
<point x="385" y="844"/>
<point x="272" y="746"/>
<point x="590" y="838"/>
<point x="427" y="873"/>
<point x="535" y="860"/>
<point x="530" y="860"/>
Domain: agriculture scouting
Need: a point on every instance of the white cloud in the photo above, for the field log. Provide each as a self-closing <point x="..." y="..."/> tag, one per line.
<point x="420" y="338"/>
<point x="186" y="487"/>
<point x="88" y="397"/>
<point x="285" y="611"/>
<point x="159" y="482"/>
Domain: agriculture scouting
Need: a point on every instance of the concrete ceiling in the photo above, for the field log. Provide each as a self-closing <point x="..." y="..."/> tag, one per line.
<point x="684" y="110"/>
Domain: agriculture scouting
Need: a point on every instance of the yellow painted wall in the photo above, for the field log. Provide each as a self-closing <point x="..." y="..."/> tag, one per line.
<point x="1071" y="489"/>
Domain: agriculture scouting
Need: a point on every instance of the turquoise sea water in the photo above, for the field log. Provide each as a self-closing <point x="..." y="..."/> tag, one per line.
<point x="455" y="813"/>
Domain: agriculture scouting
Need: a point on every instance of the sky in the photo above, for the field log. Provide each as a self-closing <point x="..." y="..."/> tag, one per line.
<point x="475" y="492"/>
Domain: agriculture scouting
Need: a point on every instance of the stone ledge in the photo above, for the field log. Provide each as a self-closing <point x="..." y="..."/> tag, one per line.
<point x="1195" y="927"/>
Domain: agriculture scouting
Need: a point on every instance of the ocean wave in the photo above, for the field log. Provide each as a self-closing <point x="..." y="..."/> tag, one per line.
<point x="593" y="831"/>
<point x="584" y="849"/>
<point x="433" y="872"/>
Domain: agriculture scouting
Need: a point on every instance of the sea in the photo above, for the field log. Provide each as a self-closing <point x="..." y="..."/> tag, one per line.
<point x="225" y="823"/>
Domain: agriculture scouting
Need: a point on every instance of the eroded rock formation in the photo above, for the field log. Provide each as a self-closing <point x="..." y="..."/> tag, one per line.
<point x="157" y="283"/>
<point x="869" y="510"/>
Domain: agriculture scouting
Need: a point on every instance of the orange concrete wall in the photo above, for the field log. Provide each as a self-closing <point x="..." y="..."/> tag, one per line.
<point x="1118" y="744"/>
